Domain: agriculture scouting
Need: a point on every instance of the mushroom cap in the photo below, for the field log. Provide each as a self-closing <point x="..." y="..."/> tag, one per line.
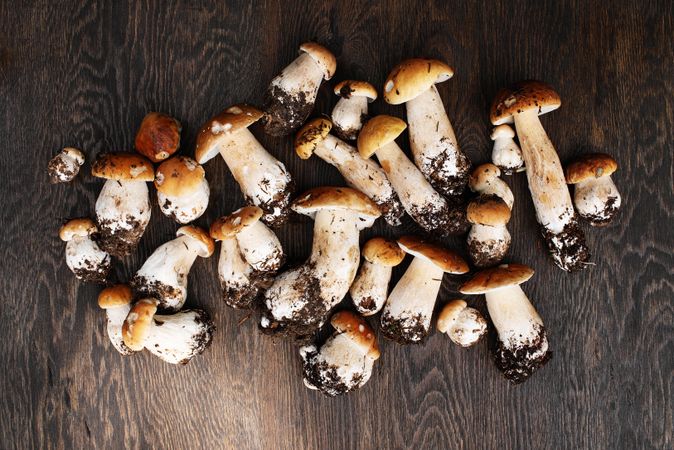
<point x="412" y="77"/>
<point x="178" y="176"/>
<point x="138" y="323"/>
<point x="74" y="153"/>
<point x="229" y="226"/>
<point x="523" y="96"/>
<point x="593" y="165"/>
<point x="505" y="275"/>
<point x="158" y="136"/>
<point x="441" y="257"/>
<point x="377" y="132"/>
<point x="206" y="244"/>
<point x="335" y="198"/>
<point x="449" y="314"/>
<point x="115" y="296"/>
<point x="358" y="330"/>
<point x="385" y="252"/>
<point x="488" y="210"/>
<point x="123" y="166"/>
<point x="502" y="131"/>
<point x="227" y="123"/>
<point x="482" y="175"/>
<point x="355" y="88"/>
<point x="82" y="226"/>
<point x="310" y="135"/>
<point x="322" y="56"/>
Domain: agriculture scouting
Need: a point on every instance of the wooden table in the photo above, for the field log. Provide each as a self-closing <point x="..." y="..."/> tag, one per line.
<point x="84" y="73"/>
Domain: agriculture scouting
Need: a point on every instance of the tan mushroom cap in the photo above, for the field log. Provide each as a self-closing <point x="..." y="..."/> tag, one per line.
<point x="206" y="244"/>
<point x="335" y="198"/>
<point x="74" y="153"/>
<point x="449" y="314"/>
<point x="377" y="132"/>
<point x="115" y="296"/>
<point x="520" y="97"/>
<point x="83" y="226"/>
<point x="502" y="131"/>
<point x="227" y="123"/>
<point x="482" y="175"/>
<point x="412" y="77"/>
<point x="385" y="252"/>
<point x="358" y="330"/>
<point x="322" y="56"/>
<point x="138" y="323"/>
<point x="123" y="166"/>
<point x="355" y="88"/>
<point x="441" y="257"/>
<point x="488" y="210"/>
<point x="505" y="275"/>
<point x="310" y="135"/>
<point x="227" y="227"/>
<point x="593" y="165"/>
<point x="178" y="176"/>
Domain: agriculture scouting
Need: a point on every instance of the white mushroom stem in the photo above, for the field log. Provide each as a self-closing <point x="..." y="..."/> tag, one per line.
<point x="84" y="254"/>
<point x="233" y="269"/>
<point x="178" y="337"/>
<point x="116" y="317"/>
<point x="498" y="235"/>
<point x="499" y="188"/>
<point x="370" y="288"/>
<point x="186" y="208"/>
<point x="302" y="76"/>
<point x="592" y="195"/>
<point x="260" y="247"/>
<point x="507" y="155"/>
<point x="121" y="203"/>
<point x="347" y="115"/>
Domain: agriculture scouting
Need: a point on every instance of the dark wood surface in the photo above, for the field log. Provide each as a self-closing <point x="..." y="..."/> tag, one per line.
<point x="84" y="73"/>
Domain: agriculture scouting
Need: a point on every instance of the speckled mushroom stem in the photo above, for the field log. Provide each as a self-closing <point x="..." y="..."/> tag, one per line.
<point x="237" y="277"/>
<point x="370" y="287"/>
<point x="348" y="116"/>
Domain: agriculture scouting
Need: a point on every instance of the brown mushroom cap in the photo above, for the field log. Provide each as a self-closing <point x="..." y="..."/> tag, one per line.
<point x="83" y="226"/>
<point x="310" y="135"/>
<point x="358" y="330"/>
<point x="115" y="296"/>
<point x="229" y="226"/>
<point x="206" y="244"/>
<point x="593" y="165"/>
<point x="483" y="174"/>
<point x="322" y="56"/>
<point x="520" y="97"/>
<point x="335" y="198"/>
<point x="138" y="322"/>
<point x="502" y="276"/>
<point x="355" y="88"/>
<point x="123" y="166"/>
<point x="488" y="210"/>
<point x="158" y="136"/>
<point x="449" y="313"/>
<point x="178" y="176"/>
<point x="441" y="257"/>
<point x="412" y="77"/>
<point x="385" y="252"/>
<point x="377" y="132"/>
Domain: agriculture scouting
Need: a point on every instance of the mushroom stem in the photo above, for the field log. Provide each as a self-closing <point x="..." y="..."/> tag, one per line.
<point x="115" y="317"/>
<point x="260" y="247"/>
<point x="86" y="260"/>
<point x="236" y="275"/>
<point x="177" y="338"/>
<point x="348" y="115"/>
<point x="370" y="287"/>
<point x="597" y="199"/>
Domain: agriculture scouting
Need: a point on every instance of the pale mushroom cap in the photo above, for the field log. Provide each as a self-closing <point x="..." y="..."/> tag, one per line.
<point x="377" y="132"/>
<point x="593" y="165"/>
<point x="115" y="296"/>
<point x="138" y="323"/>
<point x="123" y="166"/>
<point x="229" y="226"/>
<point x="337" y="198"/>
<point x="310" y="135"/>
<point x="74" y="153"/>
<point x="520" y="97"/>
<point x="355" y="88"/>
<point x="412" y="77"/>
<point x="322" y="56"/>
<point x="449" y="314"/>
<point x="178" y="176"/>
<point x="358" y="330"/>
<point x="385" y="252"/>
<point x="502" y="131"/>
<point x="482" y="175"/>
<point x="83" y="226"/>
<point x="488" y="210"/>
<point x="206" y="244"/>
<point x="441" y="257"/>
<point x="502" y="276"/>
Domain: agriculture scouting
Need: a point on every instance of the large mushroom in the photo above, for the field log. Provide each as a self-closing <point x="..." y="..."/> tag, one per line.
<point x="350" y="112"/>
<point x="595" y="194"/>
<point x="64" y="167"/>
<point x="164" y="274"/>
<point x="182" y="189"/>
<point x="300" y="299"/>
<point x="522" y="341"/>
<point x="292" y="94"/>
<point x="506" y="154"/>
<point x="434" y="146"/>
<point x="344" y="362"/>
<point x="464" y="325"/>
<point x="406" y="317"/>
<point x="359" y="173"/>
<point x="522" y="103"/>
<point x="264" y="180"/>
<point x="83" y="255"/>
<point x="423" y="203"/>
<point x="123" y="206"/>
<point x="116" y="301"/>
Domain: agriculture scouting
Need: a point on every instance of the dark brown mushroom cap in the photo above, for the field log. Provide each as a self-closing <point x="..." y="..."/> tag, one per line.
<point x="355" y="88"/>
<point x="115" y="296"/>
<point x="158" y="136"/>
<point x="358" y="330"/>
<point x="178" y="176"/>
<point x="502" y="276"/>
<point x="227" y="227"/>
<point x="385" y="252"/>
<point x="593" y="165"/>
<point x="412" y="77"/>
<point x="377" y="132"/>
<point x="488" y="210"/>
<point x="520" y="97"/>
<point x="310" y="135"/>
<point x="123" y="166"/>
<point x="441" y="257"/>
<point x="335" y="198"/>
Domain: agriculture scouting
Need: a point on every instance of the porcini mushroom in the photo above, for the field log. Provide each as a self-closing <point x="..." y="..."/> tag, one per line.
<point x="522" y="103"/>
<point x="370" y="288"/>
<point x="83" y="255"/>
<point x="175" y="338"/>
<point x="164" y="274"/>
<point x="506" y="154"/>
<point x="116" y="301"/>
<point x="350" y="112"/>
<point x="344" y="362"/>
<point x="465" y="326"/>
<point x="488" y="239"/>
<point x="292" y="94"/>
<point x="434" y="146"/>
<point x="522" y="341"/>
<point x="65" y="166"/>
<point x="407" y="314"/>
<point x="263" y="179"/>
<point x="484" y="180"/>
<point x="423" y="203"/>
<point x="182" y="189"/>
<point x="123" y="206"/>
<point x="359" y="173"/>
<point x="158" y="136"/>
<point x="299" y="300"/>
<point x="595" y="195"/>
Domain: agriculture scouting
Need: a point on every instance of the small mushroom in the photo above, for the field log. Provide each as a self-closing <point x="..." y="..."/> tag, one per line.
<point x="292" y="94"/>
<point x="359" y="173"/>
<point x="264" y="180"/>
<point x="434" y="146"/>
<point x="158" y="136"/>
<point x="595" y="195"/>
<point x="182" y="189"/>
<point x="370" y="288"/>
<point x="406" y="317"/>
<point x="488" y="239"/>
<point x="465" y="326"/>
<point x="522" y="340"/>
<point x="116" y="301"/>
<point x="175" y="338"/>
<point x="485" y="180"/>
<point x="64" y="167"/>
<point x="344" y="362"/>
<point x="123" y="206"/>
<point x="423" y="203"/>
<point x="164" y="274"/>
<point x="350" y="112"/>
<point x="506" y="154"/>
<point x="83" y="255"/>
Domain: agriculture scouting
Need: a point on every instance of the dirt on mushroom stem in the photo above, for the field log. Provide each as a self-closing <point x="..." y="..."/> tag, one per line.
<point x="120" y="242"/>
<point x="446" y="221"/>
<point x="248" y="297"/>
<point x="408" y="330"/>
<point x="143" y="287"/>
<point x="568" y="248"/>
<point x="285" y="112"/>
<point x="60" y="171"/>
<point x="519" y="363"/>
<point x="448" y="174"/>
<point x="277" y="210"/>
<point x="324" y="376"/>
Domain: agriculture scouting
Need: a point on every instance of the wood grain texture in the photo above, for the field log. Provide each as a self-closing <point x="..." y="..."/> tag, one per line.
<point x="84" y="73"/>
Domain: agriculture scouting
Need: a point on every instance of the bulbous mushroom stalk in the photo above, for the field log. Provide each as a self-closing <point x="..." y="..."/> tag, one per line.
<point x="370" y="288"/>
<point x="350" y="112"/>
<point x="64" y="167"/>
<point x="595" y="195"/>
<point x="406" y="318"/>
<point x="523" y="103"/>
<point x="264" y="180"/>
<point x="344" y="362"/>
<point x="362" y="174"/>
<point x="423" y="203"/>
<point x="434" y="146"/>
<point x="182" y="189"/>
<point x="164" y="274"/>
<point x="123" y="206"/>
<point x="116" y="301"/>
<point x="292" y="94"/>
<point x="300" y="299"/>
<point x="175" y="339"/>
<point x="83" y="255"/>
<point x="465" y="326"/>
<point x="522" y="341"/>
<point x="506" y="154"/>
